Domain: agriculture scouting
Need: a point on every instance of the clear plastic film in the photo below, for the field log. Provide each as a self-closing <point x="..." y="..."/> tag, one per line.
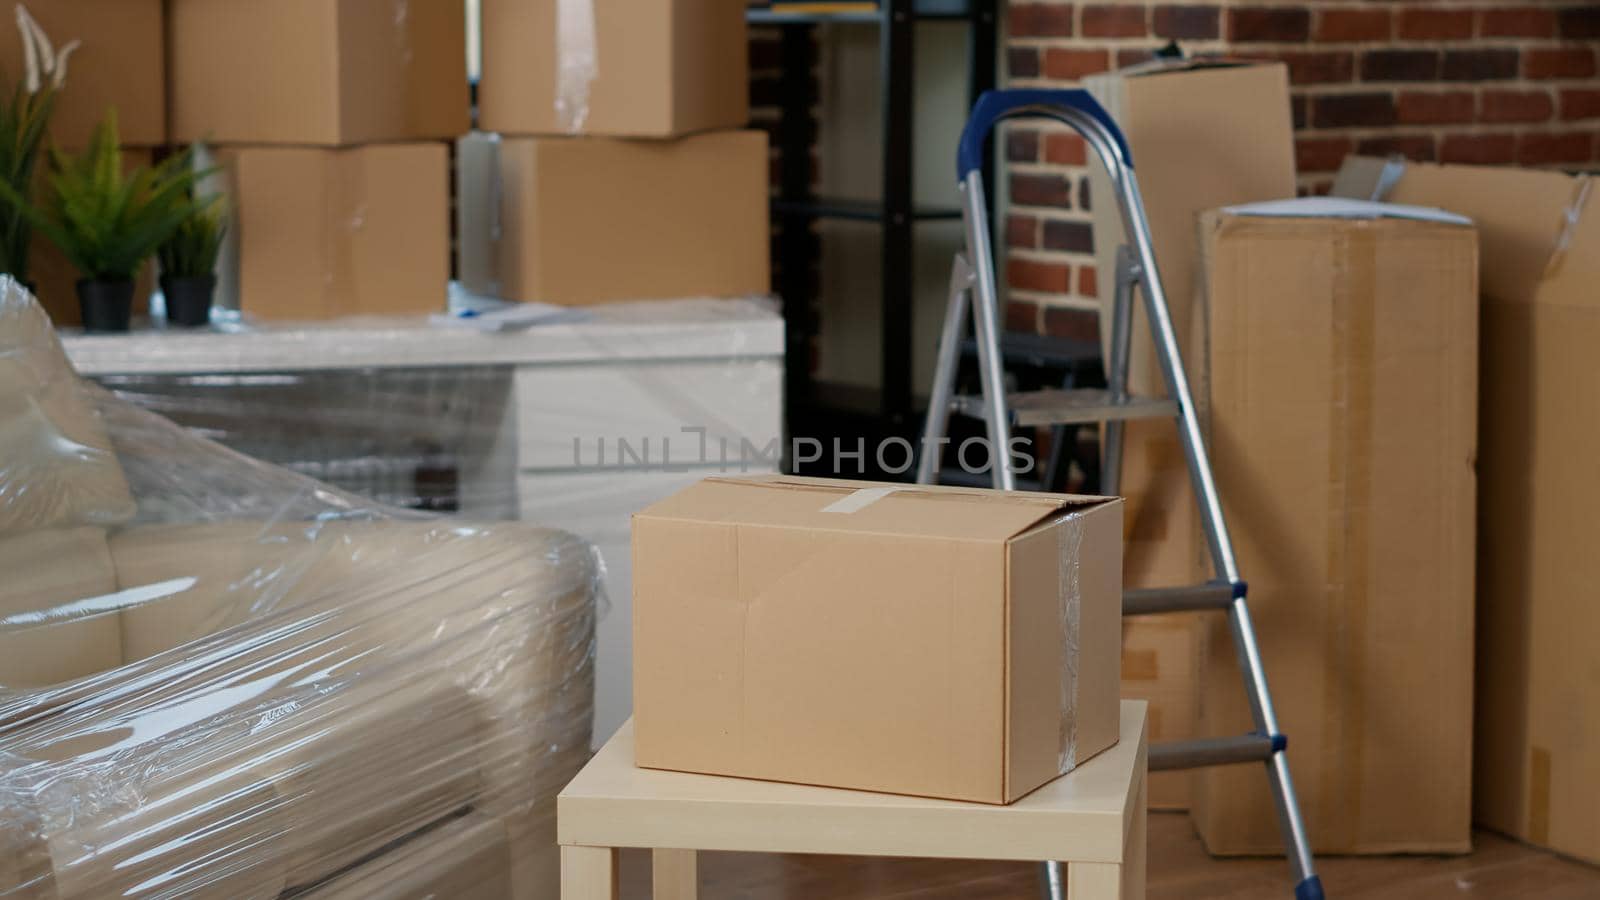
<point x="220" y="678"/>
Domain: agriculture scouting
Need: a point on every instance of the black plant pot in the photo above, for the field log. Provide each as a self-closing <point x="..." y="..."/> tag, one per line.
<point x="189" y="299"/>
<point x="107" y="305"/>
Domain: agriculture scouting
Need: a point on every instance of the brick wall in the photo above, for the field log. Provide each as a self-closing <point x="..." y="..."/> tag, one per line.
<point x="1464" y="81"/>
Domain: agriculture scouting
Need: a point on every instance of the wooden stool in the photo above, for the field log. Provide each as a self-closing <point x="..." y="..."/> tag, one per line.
<point x="1093" y="820"/>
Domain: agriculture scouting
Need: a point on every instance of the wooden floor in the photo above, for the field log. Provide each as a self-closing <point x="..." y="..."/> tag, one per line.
<point x="1179" y="870"/>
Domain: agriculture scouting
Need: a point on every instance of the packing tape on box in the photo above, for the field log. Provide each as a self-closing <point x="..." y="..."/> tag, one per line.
<point x="577" y="62"/>
<point x="1070" y="537"/>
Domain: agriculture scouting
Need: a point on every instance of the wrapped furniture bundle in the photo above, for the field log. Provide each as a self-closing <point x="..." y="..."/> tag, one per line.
<point x="222" y="679"/>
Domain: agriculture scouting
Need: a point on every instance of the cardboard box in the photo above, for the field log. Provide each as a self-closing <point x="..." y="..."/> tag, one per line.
<point x="1161" y="666"/>
<point x="1204" y="134"/>
<point x="591" y="220"/>
<point x="317" y="72"/>
<point x="324" y="233"/>
<point x="1538" y="690"/>
<point x="911" y="640"/>
<point x="1342" y="416"/>
<point x="118" y="64"/>
<point x="614" y="67"/>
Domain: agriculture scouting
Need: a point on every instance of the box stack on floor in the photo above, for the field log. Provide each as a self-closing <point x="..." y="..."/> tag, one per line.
<point x="118" y="65"/>
<point x="332" y="121"/>
<point x="619" y="121"/>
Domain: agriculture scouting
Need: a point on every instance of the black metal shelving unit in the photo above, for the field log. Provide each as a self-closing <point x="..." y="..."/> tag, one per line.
<point x="817" y="409"/>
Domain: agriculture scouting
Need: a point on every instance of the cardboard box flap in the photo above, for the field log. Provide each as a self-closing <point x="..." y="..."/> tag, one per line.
<point x="1525" y="218"/>
<point x="864" y="508"/>
<point x="1192" y="64"/>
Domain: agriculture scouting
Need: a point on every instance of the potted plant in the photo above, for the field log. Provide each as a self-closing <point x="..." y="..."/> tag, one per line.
<point x="108" y="221"/>
<point x="189" y="264"/>
<point x="24" y="120"/>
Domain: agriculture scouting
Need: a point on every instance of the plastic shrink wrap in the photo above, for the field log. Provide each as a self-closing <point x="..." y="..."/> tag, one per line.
<point x="223" y="679"/>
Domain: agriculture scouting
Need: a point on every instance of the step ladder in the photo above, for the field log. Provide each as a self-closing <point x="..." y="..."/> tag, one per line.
<point x="973" y="288"/>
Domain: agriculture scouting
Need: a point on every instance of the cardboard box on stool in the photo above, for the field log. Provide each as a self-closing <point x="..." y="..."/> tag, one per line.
<point x="939" y="642"/>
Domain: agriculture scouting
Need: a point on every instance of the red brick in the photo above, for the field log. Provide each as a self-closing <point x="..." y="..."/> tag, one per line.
<point x="1022" y="145"/>
<point x="1399" y="65"/>
<point x="1335" y="25"/>
<point x="1022" y="231"/>
<point x="1083" y="194"/>
<point x="1518" y="22"/>
<point x="1552" y="149"/>
<point x="1419" y="147"/>
<point x="1579" y="22"/>
<point x="1088" y="281"/>
<point x="1072" y="324"/>
<point x="1022" y="62"/>
<point x="1041" y="20"/>
<point x="1318" y="67"/>
<point x="1065" y="149"/>
<point x="1321" y="154"/>
<point x="1560" y="62"/>
<point x="1351" y="110"/>
<point x="1257" y="24"/>
<point x="1425" y="108"/>
<point x="1068" y="237"/>
<point x="1480" y="64"/>
<point x="1045" y="277"/>
<point x="1299" y="110"/>
<point x="1580" y="103"/>
<point x="1070" y="65"/>
<point x="1188" y="23"/>
<point x="1040" y="190"/>
<point x="1478" y="149"/>
<point x="1114" y="20"/>
<point x="1423" y="24"/>
<point x="1133" y="56"/>
<point x="1022" y="316"/>
<point x="1517" y="106"/>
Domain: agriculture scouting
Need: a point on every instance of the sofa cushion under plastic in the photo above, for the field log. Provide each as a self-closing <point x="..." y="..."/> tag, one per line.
<point x="57" y="465"/>
<point x="51" y="628"/>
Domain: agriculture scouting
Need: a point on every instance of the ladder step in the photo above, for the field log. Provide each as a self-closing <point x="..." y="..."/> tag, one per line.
<point x="1189" y="598"/>
<point x="1056" y="406"/>
<point x="1223" y="751"/>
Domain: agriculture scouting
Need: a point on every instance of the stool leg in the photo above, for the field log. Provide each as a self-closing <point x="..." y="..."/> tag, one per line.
<point x="675" y="875"/>
<point x="1094" y="881"/>
<point x="588" y="873"/>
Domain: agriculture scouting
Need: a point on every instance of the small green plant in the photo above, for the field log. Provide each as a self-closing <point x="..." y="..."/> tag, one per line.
<point x="191" y="251"/>
<point x="106" y="221"/>
<point x="24" y="120"/>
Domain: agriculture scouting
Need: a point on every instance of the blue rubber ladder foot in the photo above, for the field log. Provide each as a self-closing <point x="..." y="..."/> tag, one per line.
<point x="1310" y="889"/>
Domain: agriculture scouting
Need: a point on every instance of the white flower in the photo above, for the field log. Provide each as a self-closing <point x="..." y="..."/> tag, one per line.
<point x="42" y="60"/>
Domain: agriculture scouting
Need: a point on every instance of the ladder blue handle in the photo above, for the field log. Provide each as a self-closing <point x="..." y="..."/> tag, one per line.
<point x="993" y="106"/>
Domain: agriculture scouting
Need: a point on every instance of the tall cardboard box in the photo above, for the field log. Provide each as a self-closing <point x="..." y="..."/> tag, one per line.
<point x="317" y="72"/>
<point x="1537" y="752"/>
<point x="614" y="67"/>
<point x="590" y="220"/>
<point x="1161" y="666"/>
<point x="1203" y="134"/>
<point x="119" y="64"/>
<point x="318" y="234"/>
<point x="940" y="642"/>
<point x="1342" y="418"/>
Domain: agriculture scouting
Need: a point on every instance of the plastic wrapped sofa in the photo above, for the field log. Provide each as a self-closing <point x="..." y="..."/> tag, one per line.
<point x="221" y="679"/>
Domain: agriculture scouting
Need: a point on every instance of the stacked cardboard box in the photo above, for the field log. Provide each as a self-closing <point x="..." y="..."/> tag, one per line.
<point x="609" y="167"/>
<point x="1342" y="416"/>
<point x="118" y="65"/>
<point x="331" y="118"/>
<point x="1203" y="134"/>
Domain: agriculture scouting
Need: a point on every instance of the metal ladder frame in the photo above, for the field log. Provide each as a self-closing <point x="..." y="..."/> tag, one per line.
<point x="973" y="288"/>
